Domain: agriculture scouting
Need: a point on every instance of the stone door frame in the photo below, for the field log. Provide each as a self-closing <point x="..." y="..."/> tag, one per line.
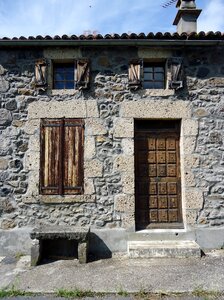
<point x="192" y="197"/>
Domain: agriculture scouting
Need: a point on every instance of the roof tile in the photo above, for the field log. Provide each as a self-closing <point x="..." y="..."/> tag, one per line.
<point x="132" y="36"/>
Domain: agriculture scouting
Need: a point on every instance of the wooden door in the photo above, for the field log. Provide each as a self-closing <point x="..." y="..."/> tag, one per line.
<point x="157" y="174"/>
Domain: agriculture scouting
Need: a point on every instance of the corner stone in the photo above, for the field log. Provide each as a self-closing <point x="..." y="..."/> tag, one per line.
<point x="3" y="164"/>
<point x="5" y="117"/>
<point x="4" y="85"/>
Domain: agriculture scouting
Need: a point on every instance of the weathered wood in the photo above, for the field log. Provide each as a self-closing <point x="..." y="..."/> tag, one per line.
<point x="157" y="167"/>
<point x="50" y="156"/>
<point x="61" y="170"/>
<point x="73" y="156"/>
<point x="41" y="73"/>
<point x="83" y="73"/>
<point x="134" y="74"/>
<point x="175" y="65"/>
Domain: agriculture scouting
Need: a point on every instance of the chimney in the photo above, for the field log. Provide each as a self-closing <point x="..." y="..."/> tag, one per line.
<point x="187" y="15"/>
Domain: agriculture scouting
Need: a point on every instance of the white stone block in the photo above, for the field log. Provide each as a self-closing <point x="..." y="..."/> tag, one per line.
<point x="124" y="127"/>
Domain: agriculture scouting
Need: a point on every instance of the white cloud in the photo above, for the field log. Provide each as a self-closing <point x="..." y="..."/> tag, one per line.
<point x="212" y="18"/>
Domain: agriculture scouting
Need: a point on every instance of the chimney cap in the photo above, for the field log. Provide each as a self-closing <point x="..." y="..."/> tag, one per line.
<point x="181" y="12"/>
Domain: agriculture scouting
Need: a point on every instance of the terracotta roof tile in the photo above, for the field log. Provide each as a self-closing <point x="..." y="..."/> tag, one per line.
<point x="124" y="36"/>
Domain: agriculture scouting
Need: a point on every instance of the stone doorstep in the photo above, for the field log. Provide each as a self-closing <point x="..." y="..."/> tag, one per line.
<point x="159" y="249"/>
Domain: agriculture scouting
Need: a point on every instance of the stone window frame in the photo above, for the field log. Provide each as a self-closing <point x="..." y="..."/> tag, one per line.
<point x="155" y="55"/>
<point x="92" y="167"/>
<point x="81" y="76"/>
<point x="60" y="55"/>
<point x="144" y="92"/>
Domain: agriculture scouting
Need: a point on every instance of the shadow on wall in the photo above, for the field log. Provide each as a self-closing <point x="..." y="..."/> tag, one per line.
<point x="97" y="248"/>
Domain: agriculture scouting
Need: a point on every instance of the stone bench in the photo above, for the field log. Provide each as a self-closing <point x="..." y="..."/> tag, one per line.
<point x="38" y="235"/>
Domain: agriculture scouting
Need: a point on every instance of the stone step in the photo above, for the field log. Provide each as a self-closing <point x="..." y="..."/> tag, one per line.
<point x="159" y="249"/>
<point x="158" y="235"/>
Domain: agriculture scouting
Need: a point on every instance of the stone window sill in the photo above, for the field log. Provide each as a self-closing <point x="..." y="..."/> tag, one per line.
<point x="158" y="92"/>
<point x="55" y="92"/>
<point x="57" y="199"/>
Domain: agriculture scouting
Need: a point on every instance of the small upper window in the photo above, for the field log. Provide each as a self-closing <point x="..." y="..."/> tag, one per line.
<point x="64" y="76"/>
<point x="71" y="75"/>
<point x="154" y="76"/>
<point x="147" y="75"/>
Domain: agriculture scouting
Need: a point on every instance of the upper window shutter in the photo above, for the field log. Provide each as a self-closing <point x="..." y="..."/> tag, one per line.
<point x="61" y="157"/>
<point x="41" y="73"/>
<point x="175" y="66"/>
<point x="73" y="156"/>
<point x="82" y="73"/>
<point x="50" y="165"/>
<point x="134" y="74"/>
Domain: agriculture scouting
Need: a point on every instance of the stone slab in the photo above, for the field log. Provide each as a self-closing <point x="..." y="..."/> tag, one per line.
<point x="53" y="232"/>
<point x="158" y="249"/>
<point x="162" y="234"/>
<point x="156" y="109"/>
<point x="55" y="109"/>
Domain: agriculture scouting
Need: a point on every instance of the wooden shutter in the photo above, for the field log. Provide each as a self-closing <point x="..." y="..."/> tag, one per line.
<point x="73" y="156"/>
<point x="82" y="73"/>
<point x="134" y="74"/>
<point x="50" y="165"/>
<point x="61" y="169"/>
<point x="41" y="73"/>
<point x="175" y="67"/>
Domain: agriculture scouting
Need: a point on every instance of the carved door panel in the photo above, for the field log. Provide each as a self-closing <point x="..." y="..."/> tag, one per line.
<point x="157" y="174"/>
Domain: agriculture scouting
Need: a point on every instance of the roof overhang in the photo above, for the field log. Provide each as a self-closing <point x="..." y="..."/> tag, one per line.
<point x="110" y="42"/>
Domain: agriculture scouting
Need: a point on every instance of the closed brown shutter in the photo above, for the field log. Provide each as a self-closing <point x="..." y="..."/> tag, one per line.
<point x="73" y="156"/>
<point x="61" y="169"/>
<point x="82" y="74"/>
<point x="41" y="74"/>
<point x="175" y="67"/>
<point x="134" y="74"/>
<point x="50" y="166"/>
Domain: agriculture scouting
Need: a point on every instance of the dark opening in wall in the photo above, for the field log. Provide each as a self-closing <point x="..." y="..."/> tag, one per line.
<point x="55" y="249"/>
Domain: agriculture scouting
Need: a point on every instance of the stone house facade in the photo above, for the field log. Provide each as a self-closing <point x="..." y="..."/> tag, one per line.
<point x="135" y="122"/>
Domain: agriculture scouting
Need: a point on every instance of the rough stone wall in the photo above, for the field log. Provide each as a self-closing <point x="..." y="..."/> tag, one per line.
<point x="109" y="137"/>
<point x="206" y="93"/>
<point x="16" y="91"/>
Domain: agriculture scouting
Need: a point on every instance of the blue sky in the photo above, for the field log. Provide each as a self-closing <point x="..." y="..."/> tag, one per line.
<point x="33" y="17"/>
